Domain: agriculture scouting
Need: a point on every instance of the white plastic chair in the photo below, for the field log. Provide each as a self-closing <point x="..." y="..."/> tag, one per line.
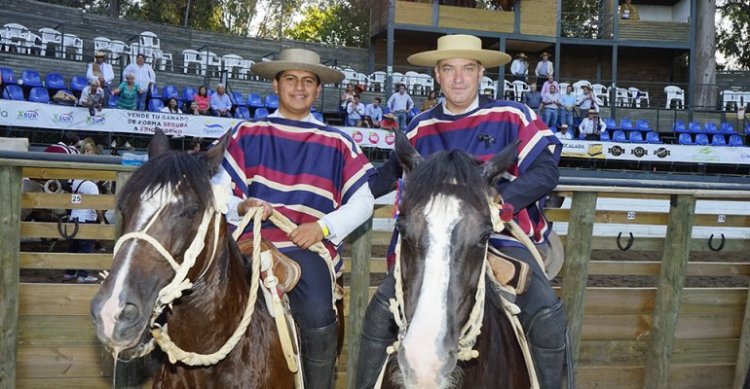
<point x="33" y="43"/>
<point x="362" y="80"/>
<point x="149" y="39"/>
<point x="600" y="92"/>
<point x="102" y="44"/>
<point x="509" y="92"/>
<point x="428" y="82"/>
<point x="675" y="93"/>
<point x="16" y="35"/>
<point x="191" y="56"/>
<point x="163" y="58"/>
<point x="350" y="77"/>
<point x="148" y="52"/>
<point x="50" y="35"/>
<point x="377" y="79"/>
<point x="564" y="87"/>
<point x="487" y="87"/>
<point x="622" y="98"/>
<point x="230" y="62"/>
<point x="412" y="82"/>
<point x="398" y="78"/>
<point x="117" y="49"/>
<point x="637" y="96"/>
<point x="578" y="86"/>
<point x="244" y="69"/>
<point x="209" y="59"/>
<point x="70" y="40"/>
<point x="730" y="97"/>
<point x="519" y="88"/>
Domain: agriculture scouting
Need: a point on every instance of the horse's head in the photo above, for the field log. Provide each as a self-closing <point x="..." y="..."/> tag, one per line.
<point x="166" y="200"/>
<point x="444" y="223"/>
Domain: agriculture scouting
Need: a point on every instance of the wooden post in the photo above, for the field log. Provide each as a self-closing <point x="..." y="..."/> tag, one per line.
<point x="122" y="178"/>
<point x="359" y="295"/>
<point x="577" y="255"/>
<point x="671" y="283"/>
<point x="743" y="354"/>
<point x="10" y="231"/>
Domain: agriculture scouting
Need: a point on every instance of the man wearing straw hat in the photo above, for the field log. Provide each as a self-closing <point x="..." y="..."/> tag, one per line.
<point x="316" y="176"/>
<point x="481" y="127"/>
<point x="519" y="68"/>
<point x="544" y="69"/>
<point x="102" y="72"/>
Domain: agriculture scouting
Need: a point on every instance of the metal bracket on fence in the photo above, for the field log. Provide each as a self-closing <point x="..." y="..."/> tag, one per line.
<point x="62" y="227"/>
<point x="629" y="243"/>
<point x="711" y="243"/>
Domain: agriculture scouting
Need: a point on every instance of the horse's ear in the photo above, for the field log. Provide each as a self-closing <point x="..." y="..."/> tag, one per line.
<point x="158" y="145"/>
<point x="215" y="154"/>
<point x="500" y="163"/>
<point x="407" y="155"/>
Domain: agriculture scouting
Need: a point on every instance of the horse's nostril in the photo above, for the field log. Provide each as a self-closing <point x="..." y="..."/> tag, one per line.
<point x="129" y="313"/>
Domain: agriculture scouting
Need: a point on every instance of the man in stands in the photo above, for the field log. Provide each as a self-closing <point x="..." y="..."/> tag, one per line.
<point x="101" y="71"/>
<point x="66" y="145"/>
<point x="355" y="111"/>
<point x="519" y="68"/>
<point x="316" y="176"/>
<point x="568" y="103"/>
<point x="373" y="113"/>
<point x="532" y="98"/>
<point x="220" y="103"/>
<point x="458" y="123"/>
<point x="563" y="133"/>
<point x="544" y="68"/>
<point x="592" y="126"/>
<point x="92" y="98"/>
<point x="629" y="11"/>
<point x="547" y="84"/>
<point x="587" y="100"/>
<point x="144" y="77"/>
<point x="400" y="103"/>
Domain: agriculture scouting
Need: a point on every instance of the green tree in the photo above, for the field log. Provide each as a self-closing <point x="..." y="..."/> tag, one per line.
<point x="733" y="33"/>
<point x="341" y="23"/>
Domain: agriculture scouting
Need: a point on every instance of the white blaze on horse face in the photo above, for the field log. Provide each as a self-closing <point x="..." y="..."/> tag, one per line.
<point x="151" y="202"/>
<point x="423" y="343"/>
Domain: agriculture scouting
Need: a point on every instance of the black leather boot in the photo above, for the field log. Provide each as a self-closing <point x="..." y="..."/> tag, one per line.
<point x="319" y="356"/>
<point x="379" y="331"/>
<point x="547" y="334"/>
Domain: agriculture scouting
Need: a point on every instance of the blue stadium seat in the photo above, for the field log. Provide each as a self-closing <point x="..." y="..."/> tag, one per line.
<point x="260" y="113"/>
<point x="254" y="101"/>
<point x="735" y="141"/>
<point x="642" y="125"/>
<point x="685" y="139"/>
<point x="619" y="136"/>
<point x="611" y="123"/>
<point x="238" y="99"/>
<point x="78" y="84"/>
<point x="9" y="77"/>
<point x="39" y="94"/>
<point x="156" y="93"/>
<point x="695" y="127"/>
<point x="31" y="78"/>
<point x="13" y="92"/>
<point x="413" y="112"/>
<point x="727" y="128"/>
<point x="718" y="140"/>
<point x="188" y="93"/>
<point x="626" y="124"/>
<point x="747" y="128"/>
<point x="386" y="110"/>
<point x="155" y="105"/>
<point x="242" y="112"/>
<point x="272" y="102"/>
<point x="169" y="92"/>
<point x="679" y="126"/>
<point x="701" y="139"/>
<point x="636" y="137"/>
<point x="54" y="81"/>
<point x="318" y="116"/>
<point x="112" y="103"/>
<point x="652" y="137"/>
<point x="604" y="136"/>
<point x="710" y="127"/>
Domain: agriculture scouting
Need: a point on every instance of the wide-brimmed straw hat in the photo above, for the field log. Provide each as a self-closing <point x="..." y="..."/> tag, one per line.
<point x="298" y="59"/>
<point x="522" y="55"/>
<point x="100" y="54"/>
<point x="543" y="54"/>
<point x="459" y="46"/>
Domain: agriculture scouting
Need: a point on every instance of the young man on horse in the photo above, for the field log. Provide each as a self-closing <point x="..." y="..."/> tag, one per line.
<point x="481" y="127"/>
<point x="316" y="176"/>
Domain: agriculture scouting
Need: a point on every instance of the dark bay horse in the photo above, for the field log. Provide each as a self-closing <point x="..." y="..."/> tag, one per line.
<point x="167" y="199"/>
<point x="445" y="223"/>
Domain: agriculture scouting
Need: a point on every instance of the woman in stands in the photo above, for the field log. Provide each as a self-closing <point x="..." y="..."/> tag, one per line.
<point x="128" y="91"/>
<point x="193" y="109"/>
<point x="171" y="106"/>
<point x="430" y="101"/>
<point x="201" y="98"/>
<point x="347" y="96"/>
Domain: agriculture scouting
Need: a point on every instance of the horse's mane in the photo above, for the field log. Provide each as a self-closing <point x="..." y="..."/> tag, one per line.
<point x="451" y="172"/>
<point x="168" y="170"/>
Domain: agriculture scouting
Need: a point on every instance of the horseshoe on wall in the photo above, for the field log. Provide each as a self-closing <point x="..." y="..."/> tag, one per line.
<point x="62" y="227"/>
<point x="711" y="243"/>
<point x="628" y="244"/>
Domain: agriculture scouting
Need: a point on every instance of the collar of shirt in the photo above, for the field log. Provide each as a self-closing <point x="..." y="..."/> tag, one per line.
<point x="309" y="118"/>
<point x="474" y="105"/>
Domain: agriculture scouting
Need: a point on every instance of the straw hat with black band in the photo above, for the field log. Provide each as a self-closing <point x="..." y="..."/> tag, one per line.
<point x="459" y="46"/>
<point x="100" y="54"/>
<point x="298" y="59"/>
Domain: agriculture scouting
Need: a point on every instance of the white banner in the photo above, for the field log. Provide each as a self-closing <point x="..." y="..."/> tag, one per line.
<point x="656" y="152"/>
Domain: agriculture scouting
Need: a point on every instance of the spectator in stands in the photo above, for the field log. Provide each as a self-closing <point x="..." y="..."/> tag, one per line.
<point x="92" y="97"/>
<point x="346" y="97"/>
<point x="128" y="91"/>
<point x="220" y="103"/>
<point x="66" y="145"/>
<point x="83" y="216"/>
<point x="193" y="109"/>
<point x="430" y="101"/>
<point x="592" y="126"/>
<point x="551" y="102"/>
<point x="102" y="71"/>
<point x="567" y="106"/>
<point x="550" y="81"/>
<point x="563" y="133"/>
<point x="629" y="11"/>
<point x="532" y="98"/>
<point x="171" y="106"/>
<point x="88" y="146"/>
<point x="355" y="111"/>
<point x="400" y="103"/>
<point x="194" y="146"/>
<point x="544" y="69"/>
<point x="587" y="100"/>
<point x="144" y="76"/>
<point x="202" y="101"/>
<point x="519" y="68"/>
<point x="374" y="113"/>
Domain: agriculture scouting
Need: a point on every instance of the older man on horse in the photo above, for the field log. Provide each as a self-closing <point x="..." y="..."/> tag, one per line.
<point x="482" y="127"/>
<point x="316" y="176"/>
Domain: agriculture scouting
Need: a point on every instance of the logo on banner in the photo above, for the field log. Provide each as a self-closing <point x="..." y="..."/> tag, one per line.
<point x="64" y="118"/>
<point x="32" y="114"/>
<point x="616" y="151"/>
<point x="374" y="137"/>
<point x="3" y="114"/>
<point x="595" y="149"/>
<point x="358" y="136"/>
<point x="390" y="139"/>
<point x="95" y="119"/>
<point x="662" y="152"/>
<point x="639" y="152"/>
<point x="213" y="129"/>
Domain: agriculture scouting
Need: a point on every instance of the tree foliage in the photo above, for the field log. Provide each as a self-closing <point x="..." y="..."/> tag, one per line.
<point x="342" y="23"/>
<point x="733" y="35"/>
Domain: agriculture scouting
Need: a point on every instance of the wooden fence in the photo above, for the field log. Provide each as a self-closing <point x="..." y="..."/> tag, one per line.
<point x="667" y="336"/>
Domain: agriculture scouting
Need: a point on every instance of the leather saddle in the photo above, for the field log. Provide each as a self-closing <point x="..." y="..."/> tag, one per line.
<point x="286" y="270"/>
<point x="508" y="271"/>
